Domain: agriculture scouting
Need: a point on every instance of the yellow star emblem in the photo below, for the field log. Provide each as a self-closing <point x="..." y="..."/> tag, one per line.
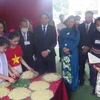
<point x="16" y="59"/>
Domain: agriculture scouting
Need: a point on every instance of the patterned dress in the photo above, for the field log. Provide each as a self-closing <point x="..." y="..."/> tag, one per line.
<point x="69" y="38"/>
<point x="97" y="90"/>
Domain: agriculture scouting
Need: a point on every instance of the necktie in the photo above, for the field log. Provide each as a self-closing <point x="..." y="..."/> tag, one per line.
<point x="24" y="36"/>
<point x="87" y="28"/>
<point x="44" y="30"/>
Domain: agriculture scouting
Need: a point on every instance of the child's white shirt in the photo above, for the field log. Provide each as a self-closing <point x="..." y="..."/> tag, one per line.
<point x="3" y="66"/>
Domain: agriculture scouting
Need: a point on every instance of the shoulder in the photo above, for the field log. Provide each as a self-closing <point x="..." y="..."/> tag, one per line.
<point x="30" y="32"/>
<point x="37" y="27"/>
<point x="8" y="51"/>
<point x="95" y="31"/>
<point x="19" y="31"/>
<point x="50" y="26"/>
<point x="3" y="54"/>
<point x="63" y="30"/>
<point x="82" y="24"/>
<point x="93" y="25"/>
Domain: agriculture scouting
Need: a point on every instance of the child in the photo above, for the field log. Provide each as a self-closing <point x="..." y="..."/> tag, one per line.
<point x="14" y="55"/>
<point x="4" y="43"/>
<point x="95" y="50"/>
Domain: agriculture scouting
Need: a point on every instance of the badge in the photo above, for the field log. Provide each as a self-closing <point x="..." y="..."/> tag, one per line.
<point x="68" y="33"/>
<point x="26" y="42"/>
<point x="97" y="41"/>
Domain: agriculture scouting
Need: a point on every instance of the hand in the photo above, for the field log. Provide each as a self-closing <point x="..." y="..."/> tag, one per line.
<point x="44" y="53"/>
<point x="16" y="73"/>
<point x="30" y="69"/>
<point x="13" y="75"/>
<point x="85" y="49"/>
<point x="97" y="68"/>
<point x="66" y="50"/>
<point x="11" y="80"/>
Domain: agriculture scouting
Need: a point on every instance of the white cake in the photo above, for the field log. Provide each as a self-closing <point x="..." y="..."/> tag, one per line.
<point x="39" y="85"/>
<point x="4" y="84"/>
<point x="42" y="95"/>
<point x="19" y="93"/>
<point x="3" y="92"/>
<point x="29" y="74"/>
<point x="51" y="77"/>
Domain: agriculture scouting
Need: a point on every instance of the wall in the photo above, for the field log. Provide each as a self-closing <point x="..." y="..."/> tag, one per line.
<point x="13" y="10"/>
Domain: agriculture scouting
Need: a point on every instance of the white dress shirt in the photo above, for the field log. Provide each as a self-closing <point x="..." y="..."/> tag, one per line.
<point x="45" y="27"/>
<point x="88" y="26"/>
<point x="61" y="26"/>
<point x="24" y="34"/>
<point x="3" y="66"/>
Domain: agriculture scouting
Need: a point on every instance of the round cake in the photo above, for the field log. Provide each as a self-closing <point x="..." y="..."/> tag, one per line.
<point x="4" y="92"/>
<point x="19" y="93"/>
<point x="4" y="84"/>
<point x="39" y="85"/>
<point x="51" y="77"/>
<point x="21" y="83"/>
<point x="29" y="75"/>
<point x="42" y="95"/>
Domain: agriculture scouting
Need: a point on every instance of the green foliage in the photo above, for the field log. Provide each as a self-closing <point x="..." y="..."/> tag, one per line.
<point x="60" y="5"/>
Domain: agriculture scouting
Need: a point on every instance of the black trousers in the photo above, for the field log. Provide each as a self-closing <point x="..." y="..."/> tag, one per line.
<point x="30" y="61"/>
<point x="60" y="53"/>
<point x="82" y="61"/>
<point x="81" y="69"/>
<point x="46" y="65"/>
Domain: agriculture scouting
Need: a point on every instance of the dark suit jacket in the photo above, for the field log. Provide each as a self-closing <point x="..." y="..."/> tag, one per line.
<point x="84" y="37"/>
<point x="28" y="50"/>
<point x="45" y="42"/>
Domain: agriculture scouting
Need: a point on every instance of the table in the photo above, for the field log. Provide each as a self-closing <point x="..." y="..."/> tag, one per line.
<point x="58" y="89"/>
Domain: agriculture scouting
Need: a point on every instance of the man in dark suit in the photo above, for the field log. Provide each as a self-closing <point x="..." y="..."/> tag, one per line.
<point x="86" y="29"/>
<point x="45" y="42"/>
<point x="27" y="43"/>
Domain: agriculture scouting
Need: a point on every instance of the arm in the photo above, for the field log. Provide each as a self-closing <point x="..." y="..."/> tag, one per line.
<point x="11" y="80"/>
<point x="97" y="68"/>
<point x="60" y="40"/>
<point x="11" y="74"/>
<point x="81" y="44"/>
<point x="54" y="40"/>
<point x="25" y="64"/>
<point x="13" y="71"/>
<point x="38" y="47"/>
<point x="92" y="38"/>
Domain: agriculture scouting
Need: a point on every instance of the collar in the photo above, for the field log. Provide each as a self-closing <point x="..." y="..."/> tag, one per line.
<point x="88" y="24"/>
<point x="44" y="25"/>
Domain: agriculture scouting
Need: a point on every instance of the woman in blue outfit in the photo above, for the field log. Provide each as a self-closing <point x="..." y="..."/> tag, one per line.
<point x="68" y="40"/>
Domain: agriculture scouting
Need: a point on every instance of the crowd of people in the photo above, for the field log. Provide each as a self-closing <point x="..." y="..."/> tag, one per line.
<point x="33" y="49"/>
<point x="75" y="41"/>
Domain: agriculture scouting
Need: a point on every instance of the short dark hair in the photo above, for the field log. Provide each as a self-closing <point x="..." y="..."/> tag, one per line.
<point x="4" y="41"/>
<point x="4" y="25"/>
<point x="97" y="19"/>
<point x="61" y="15"/>
<point x="13" y="35"/>
<point x="45" y="13"/>
<point x="88" y="12"/>
<point x="23" y="20"/>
